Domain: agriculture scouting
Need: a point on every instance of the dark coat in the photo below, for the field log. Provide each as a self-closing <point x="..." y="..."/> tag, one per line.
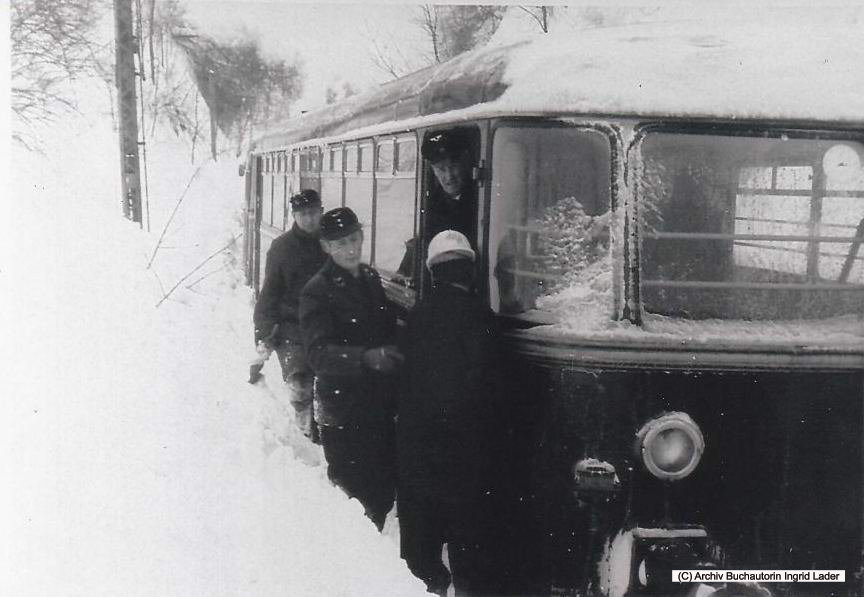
<point x="442" y="213"/>
<point x="340" y="318"/>
<point x="445" y="213"/>
<point x="292" y="260"/>
<point x="445" y="426"/>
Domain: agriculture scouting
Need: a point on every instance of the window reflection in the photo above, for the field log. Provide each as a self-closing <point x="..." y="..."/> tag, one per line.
<point x="549" y="227"/>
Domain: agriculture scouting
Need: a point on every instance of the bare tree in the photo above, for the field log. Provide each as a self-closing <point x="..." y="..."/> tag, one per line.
<point x="239" y="85"/>
<point x="541" y="14"/>
<point x="383" y="60"/>
<point x="397" y="52"/>
<point x="444" y="30"/>
<point x="454" y="29"/>
<point x="464" y="28"/>
<point x="331" y="96"/>
<point x="52" y="44"/>
<point x="429" y="22"/>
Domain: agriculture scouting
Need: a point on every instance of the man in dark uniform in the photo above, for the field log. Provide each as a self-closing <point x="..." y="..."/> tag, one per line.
<point x="292" y="260"/>
<point x="349" y="332"/>
<point x="452" y="203"/>
<point x="446" y="430"/>
<point x="452" y="200"/>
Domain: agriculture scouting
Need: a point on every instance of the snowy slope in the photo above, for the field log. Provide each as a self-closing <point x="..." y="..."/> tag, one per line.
<point x="138" y="460"/>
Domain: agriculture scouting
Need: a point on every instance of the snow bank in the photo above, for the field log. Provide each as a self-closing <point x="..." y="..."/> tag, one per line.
<point x="138" y="460"/>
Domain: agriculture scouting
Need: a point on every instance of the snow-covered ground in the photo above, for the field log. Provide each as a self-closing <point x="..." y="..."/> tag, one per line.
<point x="137" y="460"/>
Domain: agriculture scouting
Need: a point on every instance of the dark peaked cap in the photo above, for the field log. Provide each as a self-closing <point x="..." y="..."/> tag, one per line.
<point x="339" y="222"/>
<point x="305" y="198"/>
<point x="446" y="144"/>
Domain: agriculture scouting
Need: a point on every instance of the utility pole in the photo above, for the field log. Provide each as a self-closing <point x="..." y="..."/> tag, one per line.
<point x="125" y="49"/>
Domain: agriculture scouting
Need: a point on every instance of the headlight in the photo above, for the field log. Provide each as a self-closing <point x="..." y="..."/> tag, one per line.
<point x="670" y="445"/>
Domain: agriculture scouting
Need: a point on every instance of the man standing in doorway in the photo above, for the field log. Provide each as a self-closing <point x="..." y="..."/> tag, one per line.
<point x="292" y="260"/>
<point x="452" y="198"/>
<point x="446" y="431"/>
<point x="349" y="332"/>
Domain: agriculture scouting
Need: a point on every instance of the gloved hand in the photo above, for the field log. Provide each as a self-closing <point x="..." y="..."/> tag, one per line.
<point x="383" y="359"/>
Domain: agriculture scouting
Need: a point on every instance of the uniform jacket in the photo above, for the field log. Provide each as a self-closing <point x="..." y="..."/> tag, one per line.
<point x="340" y="318"/>
<point x="442" y="213"/>
<point x="445" y="424"/>
<point x="292" y="260"/>
<point x="446" y="213"/>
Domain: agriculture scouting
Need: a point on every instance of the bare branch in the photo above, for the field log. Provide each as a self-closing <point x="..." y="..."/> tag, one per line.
<point x="159" y="281"/>
<point x="174" y="212"/>
<point x="429" y="22"/>
<point x="51" y="45"/>
<point x="380" y="60"/>
<point x="204" y="277"/>
<point x="196" y="268"/>
<point x="541" y="19"/>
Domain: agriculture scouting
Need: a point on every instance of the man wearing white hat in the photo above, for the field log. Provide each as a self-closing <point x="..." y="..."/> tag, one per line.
<point x="444" y="430"/>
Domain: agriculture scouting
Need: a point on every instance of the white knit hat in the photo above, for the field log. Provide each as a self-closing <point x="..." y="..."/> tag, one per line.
<point x="448" y="245"/>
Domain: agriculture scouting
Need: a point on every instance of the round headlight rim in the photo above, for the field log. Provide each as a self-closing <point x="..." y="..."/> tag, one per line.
<point x="671" y="421"/>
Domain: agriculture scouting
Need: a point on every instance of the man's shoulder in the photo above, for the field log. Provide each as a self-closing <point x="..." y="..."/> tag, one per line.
<point x="317" y="281"/>
<point x="367" y="271"/>
<point x="282" y="243"/>
<point x="322" y="280"/>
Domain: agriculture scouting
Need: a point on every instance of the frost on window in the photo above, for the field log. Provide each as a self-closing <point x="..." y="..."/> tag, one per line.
<point x="751" y="228"/>
<point x="549" y="223"/>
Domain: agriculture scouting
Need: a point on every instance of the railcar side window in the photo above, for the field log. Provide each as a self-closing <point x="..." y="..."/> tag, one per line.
<point x="331" y="179"/>
<point x="279" y="191"/>
<point x="394" y="218"/>
<point x="751" y="228"/>
<point x="267" y="207"/>
<point x="384" y="160"/>
<point x="336" y="159"/>
<point x="351" y="158"/>
<point x="549" y="219"/>
<point x="406" y="155"/>
<point x="358" y="188"/>
<point x="364" y="158"/>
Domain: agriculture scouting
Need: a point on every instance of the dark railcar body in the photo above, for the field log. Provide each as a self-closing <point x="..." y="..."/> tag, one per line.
<point x="779" y="485"/>
<point x="718" y="211"/>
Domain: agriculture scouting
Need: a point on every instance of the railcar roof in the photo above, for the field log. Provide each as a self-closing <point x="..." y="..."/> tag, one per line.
<point x="736" y="70"/>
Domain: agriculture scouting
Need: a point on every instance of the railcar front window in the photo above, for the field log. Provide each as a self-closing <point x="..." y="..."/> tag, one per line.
<point x="549" y="220"/>
<point x="751" y="228"/>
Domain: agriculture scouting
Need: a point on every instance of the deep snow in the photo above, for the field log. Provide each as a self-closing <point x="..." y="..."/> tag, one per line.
<point x="137" y="459"/>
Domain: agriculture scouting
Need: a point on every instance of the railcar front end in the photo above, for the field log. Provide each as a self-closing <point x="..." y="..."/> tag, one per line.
<point x="685" y="305"/>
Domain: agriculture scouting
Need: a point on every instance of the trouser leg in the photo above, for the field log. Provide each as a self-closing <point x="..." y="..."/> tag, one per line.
<point x="472" y="550"/>
<point x="359" y="460"/>
<point x="421" y="541"/>
<point x="299" y="380"/>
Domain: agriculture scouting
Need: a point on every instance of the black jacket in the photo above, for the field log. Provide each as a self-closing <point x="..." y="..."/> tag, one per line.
<point x="446" y="213"/>
<point x="340" y="318"/>
<point x="445" y="425"/>
<point x="292" y="260"/>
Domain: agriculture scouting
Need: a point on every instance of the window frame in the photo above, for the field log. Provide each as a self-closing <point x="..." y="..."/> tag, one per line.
<point x="731" y="130"/>
<point x="611" y="132"/>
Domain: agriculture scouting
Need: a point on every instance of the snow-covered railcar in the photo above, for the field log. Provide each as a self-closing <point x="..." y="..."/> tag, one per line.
<point x="669" y="224"/>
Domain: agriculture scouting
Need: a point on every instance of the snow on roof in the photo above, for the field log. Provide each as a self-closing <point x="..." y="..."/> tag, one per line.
<point x="728" y="70"/>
